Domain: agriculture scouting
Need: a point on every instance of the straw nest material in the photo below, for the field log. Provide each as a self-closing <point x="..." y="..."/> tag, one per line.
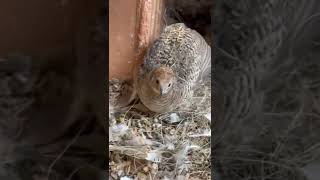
<point x="175" y="145"/>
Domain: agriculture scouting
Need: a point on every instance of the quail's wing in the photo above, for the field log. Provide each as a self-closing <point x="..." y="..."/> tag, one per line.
<point x="202" y="55"/>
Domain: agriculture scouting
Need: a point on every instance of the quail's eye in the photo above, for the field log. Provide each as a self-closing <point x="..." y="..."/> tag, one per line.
<point x="157" y="81"/>
<point x="169" y="85"/>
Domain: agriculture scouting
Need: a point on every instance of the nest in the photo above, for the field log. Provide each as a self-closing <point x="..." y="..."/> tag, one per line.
<point x="175" y="145"/>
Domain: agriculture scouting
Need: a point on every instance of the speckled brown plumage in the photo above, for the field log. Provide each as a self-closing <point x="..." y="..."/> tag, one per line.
<point x="172" y="67"/>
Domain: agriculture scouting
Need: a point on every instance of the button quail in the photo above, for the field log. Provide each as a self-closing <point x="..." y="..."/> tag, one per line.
<point x="173" y="65"/>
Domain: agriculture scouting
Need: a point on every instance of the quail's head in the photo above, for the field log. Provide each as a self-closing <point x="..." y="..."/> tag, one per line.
<point x="162" y="80"/>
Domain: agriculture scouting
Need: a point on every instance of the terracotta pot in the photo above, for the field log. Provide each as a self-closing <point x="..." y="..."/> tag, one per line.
<point x="133" y="25"/>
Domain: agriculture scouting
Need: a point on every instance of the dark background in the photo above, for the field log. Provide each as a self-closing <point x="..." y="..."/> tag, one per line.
<point x="266" y="68"/>
<point x="52" y="90"/>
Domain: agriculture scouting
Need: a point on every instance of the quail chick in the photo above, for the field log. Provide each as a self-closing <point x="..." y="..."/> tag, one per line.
<point x="171" y="68"/>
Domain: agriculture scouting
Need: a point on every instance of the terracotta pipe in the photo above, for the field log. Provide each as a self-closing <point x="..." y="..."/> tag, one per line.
<point x="148" y="15"/>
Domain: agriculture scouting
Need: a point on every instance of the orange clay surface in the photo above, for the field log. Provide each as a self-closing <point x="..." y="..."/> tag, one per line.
<point x="133" y="25"/>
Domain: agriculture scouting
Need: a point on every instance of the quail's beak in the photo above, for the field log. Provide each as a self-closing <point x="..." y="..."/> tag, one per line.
<point x="161" y="91"/>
